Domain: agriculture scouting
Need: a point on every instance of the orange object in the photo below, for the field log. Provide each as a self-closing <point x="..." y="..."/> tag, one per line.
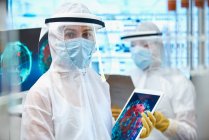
<point x="116" y="111"/>
<point x="185" y="3"/>
<point x="171" y="5"/>
<point x="199" y="3"/>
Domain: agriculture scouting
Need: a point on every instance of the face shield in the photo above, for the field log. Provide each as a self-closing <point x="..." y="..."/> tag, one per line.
<point x="146" y="48"/>
<point x="72" y="41"/>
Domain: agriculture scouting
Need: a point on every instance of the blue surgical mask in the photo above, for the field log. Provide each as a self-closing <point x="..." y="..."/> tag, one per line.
<point x="80" y="51"/>
<point x="142" y="57"/>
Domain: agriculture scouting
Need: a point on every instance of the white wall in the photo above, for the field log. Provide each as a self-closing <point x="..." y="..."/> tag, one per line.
<point x="201" y="85"/>
<point x="4" y="122"/>
<point x="10" y="120"/>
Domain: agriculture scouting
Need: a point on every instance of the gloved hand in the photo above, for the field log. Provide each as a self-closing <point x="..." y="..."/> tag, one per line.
<point x="148" y="124"/>
<point x="116" y="112"/>
<point x="162" y="122"/>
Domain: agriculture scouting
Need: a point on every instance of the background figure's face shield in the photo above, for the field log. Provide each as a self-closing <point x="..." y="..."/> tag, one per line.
<point x="151" y="40"/>
<point x="139" y="43"/>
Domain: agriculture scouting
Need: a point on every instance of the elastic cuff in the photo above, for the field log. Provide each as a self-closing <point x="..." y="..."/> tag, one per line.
<point x="172" y="128"/>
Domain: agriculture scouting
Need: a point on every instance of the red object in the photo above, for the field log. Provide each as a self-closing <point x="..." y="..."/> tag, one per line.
<point x="131" y="119"/>
<point x="199" y="3"/>
<point x="208" y="3"/>
<point x="171" y="5"/>
<point x="185" y="3"/>
<point x="18" y="54"/>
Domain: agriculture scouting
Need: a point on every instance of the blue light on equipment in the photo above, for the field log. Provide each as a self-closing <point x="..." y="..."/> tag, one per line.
<point x="16" y="61"/>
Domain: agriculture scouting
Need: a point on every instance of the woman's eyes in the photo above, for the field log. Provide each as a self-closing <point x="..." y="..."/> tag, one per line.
<point x="87" y="35"/>
<point x="70" y="35"/>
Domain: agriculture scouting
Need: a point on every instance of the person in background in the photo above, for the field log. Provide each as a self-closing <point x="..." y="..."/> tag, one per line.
<point x="70" y="101"/>
<point x="175" y="115"/>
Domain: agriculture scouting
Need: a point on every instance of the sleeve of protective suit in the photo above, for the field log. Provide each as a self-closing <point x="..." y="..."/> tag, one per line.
<point x="37" y="119"/>
<point x="183" y="126"/>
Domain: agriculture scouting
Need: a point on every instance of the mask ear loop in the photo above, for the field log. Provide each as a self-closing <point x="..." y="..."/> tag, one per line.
<point x="98" y="54"/>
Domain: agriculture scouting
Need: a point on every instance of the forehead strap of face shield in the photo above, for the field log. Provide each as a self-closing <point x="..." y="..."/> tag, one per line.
<point x="141" y="35"/>
<point x="75" y="19"/>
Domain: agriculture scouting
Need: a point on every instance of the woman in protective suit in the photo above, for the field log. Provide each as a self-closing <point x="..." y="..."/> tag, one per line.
<point x="175" y="115"/>
<point x="70" y="101"/>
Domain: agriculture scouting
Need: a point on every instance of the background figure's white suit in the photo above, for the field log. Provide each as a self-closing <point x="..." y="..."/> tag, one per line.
<point x="178" y="103"/>
<point x="67" y="103"/>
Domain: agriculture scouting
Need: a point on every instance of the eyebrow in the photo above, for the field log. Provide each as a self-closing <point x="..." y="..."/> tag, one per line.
<point x="68" y="29"/>
<point x="86" y="30"/>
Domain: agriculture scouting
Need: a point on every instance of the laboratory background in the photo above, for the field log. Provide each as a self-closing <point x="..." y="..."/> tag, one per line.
<point x="24" y="57"/>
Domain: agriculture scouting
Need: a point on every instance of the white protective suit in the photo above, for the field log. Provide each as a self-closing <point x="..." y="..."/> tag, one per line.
<point x="67" y="103"/>
<point x="178" y="103"/>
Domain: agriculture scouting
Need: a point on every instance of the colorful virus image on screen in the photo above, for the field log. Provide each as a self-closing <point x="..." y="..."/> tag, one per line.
<point x="45" y="58"/>
<point x="16" y="62"/>
<point x="129" y="124"/>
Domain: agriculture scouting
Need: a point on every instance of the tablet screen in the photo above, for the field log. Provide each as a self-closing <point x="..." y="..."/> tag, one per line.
<point x="128" y="126"/>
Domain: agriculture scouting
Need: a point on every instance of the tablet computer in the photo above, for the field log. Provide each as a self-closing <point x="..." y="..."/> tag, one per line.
<point x="128" y="125"/>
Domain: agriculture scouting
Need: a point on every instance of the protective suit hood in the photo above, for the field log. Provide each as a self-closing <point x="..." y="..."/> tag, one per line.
<point x="69" y="14"/>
